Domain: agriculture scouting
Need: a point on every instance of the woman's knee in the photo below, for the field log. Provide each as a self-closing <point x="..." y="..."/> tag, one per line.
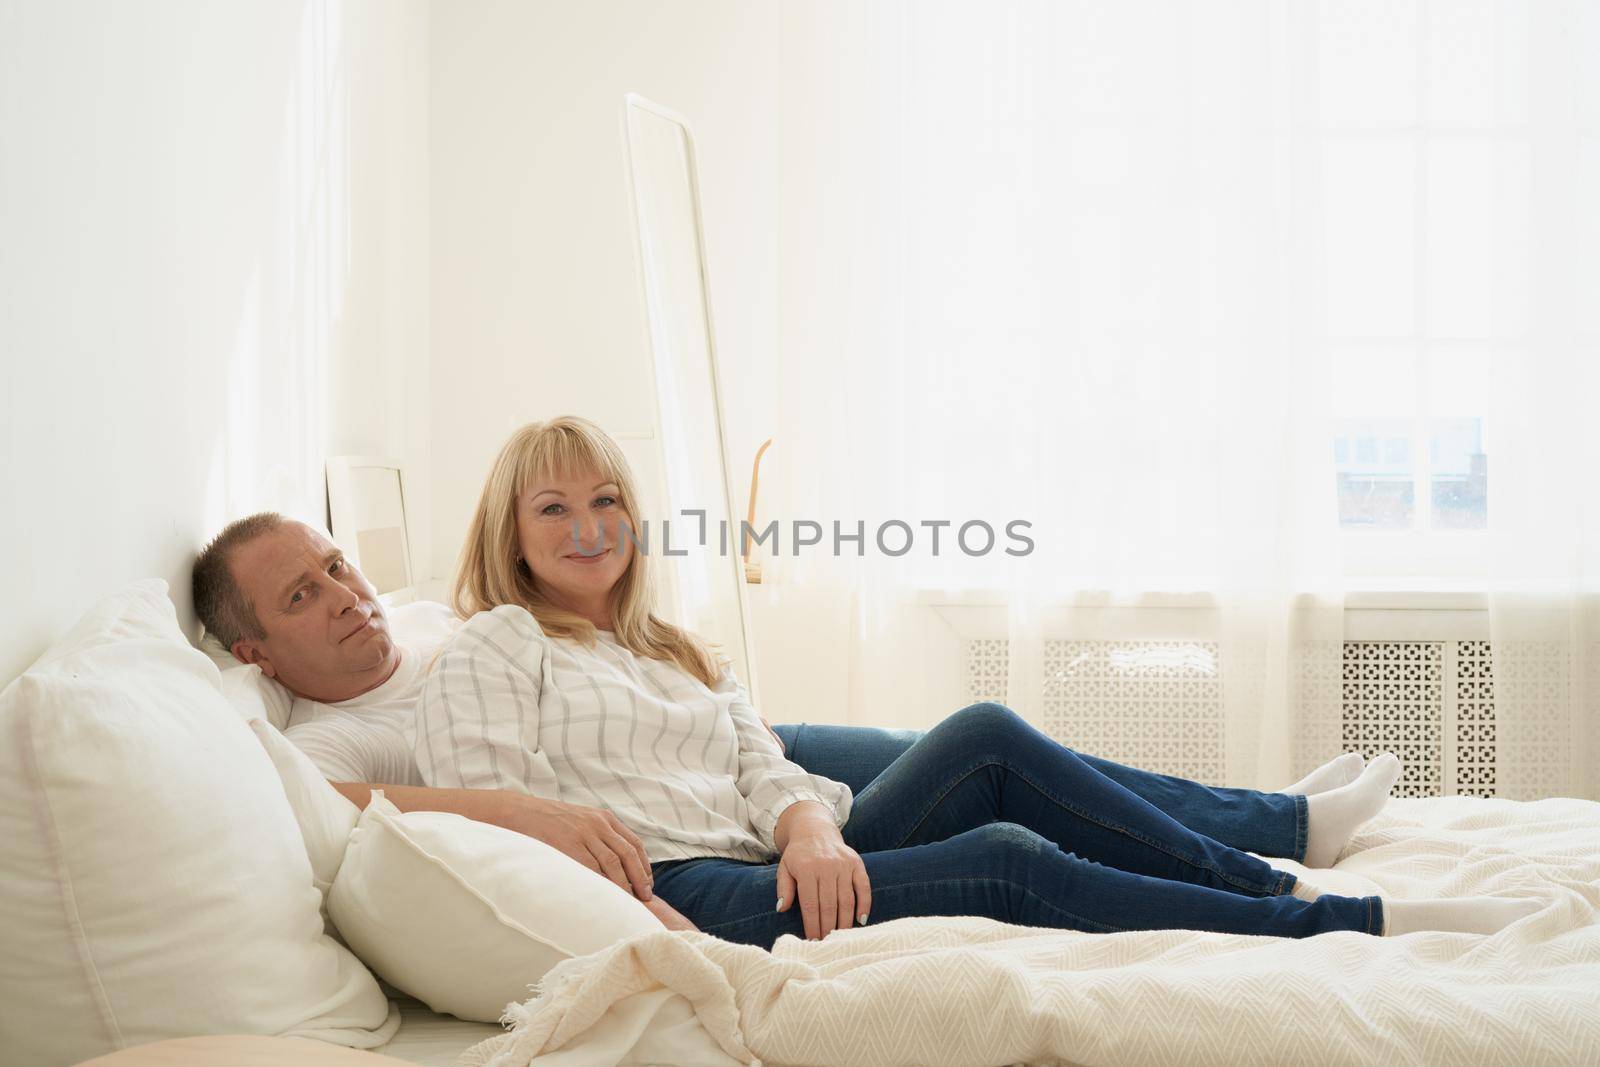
<point x="984" y="720"/>
<point x="1006" y="849"/>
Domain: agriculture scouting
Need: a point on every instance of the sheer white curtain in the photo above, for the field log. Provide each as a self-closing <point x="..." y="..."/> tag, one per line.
<point x="1544" y="589"/>
<point x="1066" y="263"/>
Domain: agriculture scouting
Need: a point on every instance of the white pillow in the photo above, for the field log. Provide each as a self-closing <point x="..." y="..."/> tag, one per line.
<point x="155" y="883"/>
<point x="466" y="916"/>
<point x="325" y="816"/>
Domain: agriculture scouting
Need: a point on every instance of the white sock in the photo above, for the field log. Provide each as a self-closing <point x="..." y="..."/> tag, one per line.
<point x="1461" y="915"/>
<point x="1333" y="816"/>
<point x="1305" y="890"/>
<point x="1341" y="770"/>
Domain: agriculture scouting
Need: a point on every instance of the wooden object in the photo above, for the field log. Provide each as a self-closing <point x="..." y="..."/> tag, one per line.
<point x="752" y="571"/>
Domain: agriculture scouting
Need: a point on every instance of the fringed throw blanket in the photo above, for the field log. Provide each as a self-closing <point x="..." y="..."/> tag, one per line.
<point x="973" y="991"/>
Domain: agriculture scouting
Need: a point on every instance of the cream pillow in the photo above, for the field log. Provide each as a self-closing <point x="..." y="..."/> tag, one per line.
<point x="326" y="818"/>
<point x="251" y="693"/>
<point x="255" y="696"/>
<point x="466" y="916"/>
<point x="153" y="879"/>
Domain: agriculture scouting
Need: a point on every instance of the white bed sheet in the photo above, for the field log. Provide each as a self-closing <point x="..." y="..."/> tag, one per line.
<point x="426" y="1037"/>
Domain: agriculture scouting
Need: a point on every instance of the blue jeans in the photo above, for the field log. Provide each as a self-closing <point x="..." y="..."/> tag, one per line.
<point x="983" y="815"/>
<point x="1268" y="824"/>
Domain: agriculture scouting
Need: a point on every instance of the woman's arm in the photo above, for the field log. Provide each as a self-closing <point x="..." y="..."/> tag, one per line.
<point x="477" y="723"/>
<point x="668" y="915"/>
<point x="782" y="751"/>
<point x="821" y="873"/>
<point x="769" y="782"/>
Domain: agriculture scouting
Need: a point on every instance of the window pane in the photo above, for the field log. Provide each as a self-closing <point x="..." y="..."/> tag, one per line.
<point x="1458" y="380"/>
<point x="1586" y="31"/>
<point x="1460" y="474"/>
<point x="1588" y="236"/>
<point x="1376" y="473"/>
<point x="1373" y="380"/>
<point x="1460" y="219"/>
<point x="1367" y="61"/>
<point x="1477" y="70"/>
<point x="1369" y="237"/>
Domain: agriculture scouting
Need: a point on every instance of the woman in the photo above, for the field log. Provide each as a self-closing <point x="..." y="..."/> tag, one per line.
<point x="563" y="683"/>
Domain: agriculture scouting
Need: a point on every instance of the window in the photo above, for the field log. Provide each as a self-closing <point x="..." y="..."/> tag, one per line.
<point x="1425" y="156"/>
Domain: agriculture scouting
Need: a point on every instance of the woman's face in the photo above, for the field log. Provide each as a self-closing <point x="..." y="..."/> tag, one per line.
<point x="569" y="530"/>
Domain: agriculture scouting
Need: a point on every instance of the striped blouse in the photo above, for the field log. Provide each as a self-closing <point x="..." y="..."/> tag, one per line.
<point x="690" y="769"/>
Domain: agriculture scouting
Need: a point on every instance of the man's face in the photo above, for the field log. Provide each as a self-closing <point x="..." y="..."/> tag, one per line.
<point x="327" y="637"/>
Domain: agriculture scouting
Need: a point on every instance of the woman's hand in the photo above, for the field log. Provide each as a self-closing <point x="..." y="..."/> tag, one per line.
<point x="669" y="915"/>
<point x="821" y="871"/>
<point x="592" y="836"/>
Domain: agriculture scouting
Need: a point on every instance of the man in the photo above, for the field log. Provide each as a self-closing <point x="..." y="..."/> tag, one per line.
<point x="282" y="596"/>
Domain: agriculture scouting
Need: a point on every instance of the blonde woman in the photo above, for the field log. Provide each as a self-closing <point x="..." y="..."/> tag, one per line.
<point x="563" y="683"/>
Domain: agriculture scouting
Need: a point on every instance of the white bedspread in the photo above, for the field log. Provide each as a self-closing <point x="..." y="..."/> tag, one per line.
<point x="973" y="991"/>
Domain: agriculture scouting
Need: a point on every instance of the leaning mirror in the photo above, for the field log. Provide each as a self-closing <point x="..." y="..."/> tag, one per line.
<point x="708" y="576"/>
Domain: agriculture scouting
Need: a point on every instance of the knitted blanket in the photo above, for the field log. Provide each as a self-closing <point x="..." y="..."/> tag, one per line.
<point x="974" y="991"/>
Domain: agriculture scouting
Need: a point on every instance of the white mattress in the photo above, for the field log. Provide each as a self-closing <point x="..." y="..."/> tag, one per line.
<point x="429" y="1038"/>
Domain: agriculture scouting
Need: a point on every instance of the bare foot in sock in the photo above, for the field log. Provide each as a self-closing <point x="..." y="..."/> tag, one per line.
<point x="1332" y="817"/>
<point x="1462" y="915"/>
<point x="1341" y="770"/>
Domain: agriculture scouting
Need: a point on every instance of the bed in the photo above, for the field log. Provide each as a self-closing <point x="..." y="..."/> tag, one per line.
<point x="968" y="991"/>
<point x="426" y="1037"/>
<point x="106" y="948"/>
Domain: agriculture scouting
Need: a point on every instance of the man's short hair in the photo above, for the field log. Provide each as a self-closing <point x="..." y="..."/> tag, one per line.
<point x="222" y="606"/>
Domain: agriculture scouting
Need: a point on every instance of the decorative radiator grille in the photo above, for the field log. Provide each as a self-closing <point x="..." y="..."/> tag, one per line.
<point x="1159" y="705"/>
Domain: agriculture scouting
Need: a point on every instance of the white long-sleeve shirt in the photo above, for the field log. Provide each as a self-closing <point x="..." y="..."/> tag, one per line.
<point x="690" y="769"/>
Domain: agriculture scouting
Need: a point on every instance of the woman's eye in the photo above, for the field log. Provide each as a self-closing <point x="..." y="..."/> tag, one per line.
<point x="605" y="501"/>
<point x="551" y="509"/>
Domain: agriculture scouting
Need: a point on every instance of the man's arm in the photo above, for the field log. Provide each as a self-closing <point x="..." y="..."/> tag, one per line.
<point x="578" y="831"/>
<point x="480" y="805"/>
<point x="514" y="811"/>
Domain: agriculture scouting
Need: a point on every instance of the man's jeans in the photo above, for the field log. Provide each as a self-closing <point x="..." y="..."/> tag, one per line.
<point x="983" y="815"/>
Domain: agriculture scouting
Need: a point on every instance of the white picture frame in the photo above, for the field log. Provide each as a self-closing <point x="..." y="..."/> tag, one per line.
<point x="367" y="517"/>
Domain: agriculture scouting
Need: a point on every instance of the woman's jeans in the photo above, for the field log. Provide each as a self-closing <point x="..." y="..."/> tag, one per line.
<point x="984" y="815"/>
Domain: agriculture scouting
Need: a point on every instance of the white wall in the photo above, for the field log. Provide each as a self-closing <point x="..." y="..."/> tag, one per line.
<point x="241" y="238"/>
<point x="536" y="302"/>
<point x="214" y="268"/>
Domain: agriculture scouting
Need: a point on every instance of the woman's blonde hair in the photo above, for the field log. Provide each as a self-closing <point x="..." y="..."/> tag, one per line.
<point x="491" y="573"/>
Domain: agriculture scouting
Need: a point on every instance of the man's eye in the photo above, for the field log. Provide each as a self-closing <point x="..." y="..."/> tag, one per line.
<point x="337" y="566"/>
<point x="297" y="597"/>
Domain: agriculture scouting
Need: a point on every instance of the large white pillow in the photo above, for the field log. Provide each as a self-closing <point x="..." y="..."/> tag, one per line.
<point x="153" y="878"/>
<point x="466" y="916"/>
<point x="325" y="816"/>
